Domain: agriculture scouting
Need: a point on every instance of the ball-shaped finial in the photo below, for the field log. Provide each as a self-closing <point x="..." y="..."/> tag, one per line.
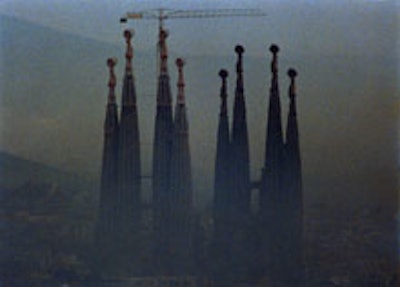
<point x="239" y="49"/>
<point x="111" y="62"/>
<point x="292" y="73"/>
<point x="164" y="33"/>
<point x="180" y="62"/>
<point x="128" y="34"/>
<point x="223" y="73"/>
<point x="274" y="48"/>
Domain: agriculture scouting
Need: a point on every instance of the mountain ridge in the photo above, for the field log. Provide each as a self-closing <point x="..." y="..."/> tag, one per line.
<point x="16" y="171"/>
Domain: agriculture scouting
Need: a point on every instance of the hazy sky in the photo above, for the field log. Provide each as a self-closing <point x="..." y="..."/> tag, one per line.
<point x="345" y="52"/>
<point x="308" y="26"/>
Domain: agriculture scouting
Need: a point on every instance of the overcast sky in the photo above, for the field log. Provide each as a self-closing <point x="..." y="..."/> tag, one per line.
<point x="345" y="52"/>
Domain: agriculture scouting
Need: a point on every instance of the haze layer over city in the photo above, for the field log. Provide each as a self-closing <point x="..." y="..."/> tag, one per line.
<point x="54" y="88"/>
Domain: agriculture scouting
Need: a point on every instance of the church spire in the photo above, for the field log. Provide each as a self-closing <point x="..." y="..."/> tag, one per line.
<point x="162" y="46"/>
<point x="271" y="211"/>
<point x="292" y="191"/>
<point x="292" y="146"/>
<point x="222" y="159"/>
<point x="224" y="95"/>
<point x="128" y="34"/>
<point x="181" y="256"/>
<point x="272" y="170"/>
<point x="106" y="221"/>
<point x="292" y="137"/>
<point x="162" y="158"/>
<point x="129" y="90"/>
<point x="112" y="80"/>
<point x="181" y="83"/>
<point x="240" y="179"/>
<point x="239" y="141"/>
<point x="129" y="149"/>
<point x="223" y="209"/>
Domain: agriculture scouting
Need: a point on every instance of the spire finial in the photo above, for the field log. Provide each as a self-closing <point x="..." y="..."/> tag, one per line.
<point x="162" y="45"/>
<point x="239" y="69"/>
<point x="223" y="74"/>
<point x="274" y="65"/>
<point x="128" y="34"/>
<point x="292" y="73"/>
<point x="239" y="50"/>
<point x="181" y="84"/>
<point x="111" y="62"/>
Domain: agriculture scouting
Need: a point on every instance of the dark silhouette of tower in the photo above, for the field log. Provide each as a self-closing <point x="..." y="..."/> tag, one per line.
<point x="129" y="152"/>
<point x="273" y="163"/>
<point x="222" y="161"/>
<point x="240" y="178"/>
<point x="181" y="186"/>
<point x="293" y="190"/>
<point x="106" y="225"/>
<point x="232" y="187"/>
<point x="162" y="208"/>
<point x="240" y="145"/>
<point x="280" y="212"/>
<point x="293" y="179"/>
<point x="223" y="205"/>
<point x="271" y="197"/>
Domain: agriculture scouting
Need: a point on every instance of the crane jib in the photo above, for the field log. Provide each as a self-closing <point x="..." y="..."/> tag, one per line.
<point x="167" y="14"/>
<point x="134" y="15"/>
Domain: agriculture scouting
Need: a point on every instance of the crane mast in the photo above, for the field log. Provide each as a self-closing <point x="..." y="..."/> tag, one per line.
<point x="162" y="14"/>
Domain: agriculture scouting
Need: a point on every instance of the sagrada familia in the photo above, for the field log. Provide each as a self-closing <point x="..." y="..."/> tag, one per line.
<point x="248" y="246"/>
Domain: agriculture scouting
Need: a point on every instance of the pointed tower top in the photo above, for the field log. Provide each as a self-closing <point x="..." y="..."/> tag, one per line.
<point x="292" y="73"/>
<point x="111" y="62"/>
<point x="223" y="74"/>
<point x="239" y="50"/>
<point x="162" y="45"/>
<point x="181" y="84"/>
<point x="274" y="64"/>
<point x="128" y="34"/>
<point x="239" y="69"/>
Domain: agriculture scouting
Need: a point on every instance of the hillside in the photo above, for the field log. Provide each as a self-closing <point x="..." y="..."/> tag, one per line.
<point x="16" y="171"/>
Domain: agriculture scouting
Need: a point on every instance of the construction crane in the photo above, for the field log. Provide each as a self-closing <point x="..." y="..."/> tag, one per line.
<point x="164" y="14"/>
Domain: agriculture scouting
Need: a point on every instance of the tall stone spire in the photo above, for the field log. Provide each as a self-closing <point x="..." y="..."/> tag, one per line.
<point x="129" y="150"/>
<point x="107" y="220"/>
<point x="106" y="224"/>
<point x="292" y="146"/>
<point x="272" y="211"/>
<point x="222" y="162"/>
<point x="181" y="186"/>
<point x="239" y="143"/>
<point x="162" y="46"/>
<point x="223" y="209"/>
<point x="293" y="190"/>
<point x="162" y="159"/>
<point x="280" y="204"/>
<point x="273" y="164"/>
<point x="240" y="180"/>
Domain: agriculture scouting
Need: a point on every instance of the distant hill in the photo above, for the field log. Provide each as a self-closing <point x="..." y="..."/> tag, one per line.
<point x="16" y="172"/>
